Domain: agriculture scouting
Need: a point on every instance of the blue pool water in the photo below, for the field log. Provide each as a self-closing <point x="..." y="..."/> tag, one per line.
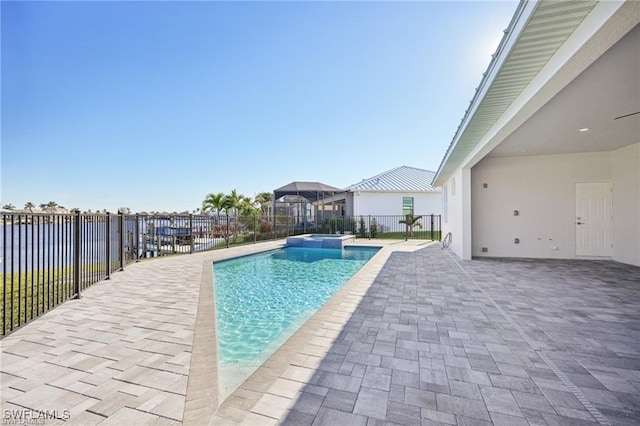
<point x="263" y="298"/>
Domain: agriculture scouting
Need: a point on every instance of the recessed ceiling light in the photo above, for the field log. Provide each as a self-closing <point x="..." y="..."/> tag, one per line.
<point x="585" y="129"/>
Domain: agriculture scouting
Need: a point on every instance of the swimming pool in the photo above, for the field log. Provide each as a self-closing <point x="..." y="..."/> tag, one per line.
<point x="262" y="299"/>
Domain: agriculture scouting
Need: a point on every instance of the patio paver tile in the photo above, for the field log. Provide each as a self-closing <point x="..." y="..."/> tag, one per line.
<point x="466" y="407"/>
<point x="423" y="339"/>
<point x="331" y="417"/>
<point x="372" y="403"/>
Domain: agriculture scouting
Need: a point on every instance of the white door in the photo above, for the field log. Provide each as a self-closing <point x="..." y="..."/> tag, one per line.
<point x="593" y="219"/>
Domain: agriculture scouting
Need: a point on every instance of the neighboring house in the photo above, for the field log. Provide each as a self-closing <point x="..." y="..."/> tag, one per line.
<point x="395" y="192"/>
<point x="306" y="201"/>
<point x="546" y="161"/>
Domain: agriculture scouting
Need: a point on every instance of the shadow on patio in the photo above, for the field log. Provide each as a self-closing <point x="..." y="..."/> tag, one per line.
<point x="435" y="339"/>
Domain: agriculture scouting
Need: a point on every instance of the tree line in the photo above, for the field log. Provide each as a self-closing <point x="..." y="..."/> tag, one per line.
<point x="237" y="204"/>
<point x="233" y="203"/>
<point x="50" y="207"/>
<point x="54" y="207"/>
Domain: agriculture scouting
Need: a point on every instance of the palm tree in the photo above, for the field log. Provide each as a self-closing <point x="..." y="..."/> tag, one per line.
<point x="226" y="205"/>
<point x="411" y="221"/>
<point x="9" y="207"/>
<point x="236" y="200"/>
<point x="250" y="214"/>
<point x="264" y="199"/>
<point x="213" y="202"/>
<point x="29" y="206"/>
<point x="49" y="207"/>
<point x="248" y="207"/>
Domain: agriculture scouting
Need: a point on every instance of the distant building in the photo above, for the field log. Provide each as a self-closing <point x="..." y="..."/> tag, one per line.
<point x="397" y="191"/>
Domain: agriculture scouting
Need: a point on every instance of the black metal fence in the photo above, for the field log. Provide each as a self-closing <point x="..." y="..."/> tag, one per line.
<point x="50" y="258"/>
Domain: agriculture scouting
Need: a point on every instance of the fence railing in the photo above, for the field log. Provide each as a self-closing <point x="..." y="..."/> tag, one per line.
<point x="47" y="259"/>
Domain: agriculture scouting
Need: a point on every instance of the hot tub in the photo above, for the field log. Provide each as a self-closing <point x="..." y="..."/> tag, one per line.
<point x="320" y="240"/>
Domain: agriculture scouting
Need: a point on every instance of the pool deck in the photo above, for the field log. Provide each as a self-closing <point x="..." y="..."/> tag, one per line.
<point x="417" y="336"/>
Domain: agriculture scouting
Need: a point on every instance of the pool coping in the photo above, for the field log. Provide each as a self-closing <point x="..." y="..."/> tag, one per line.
<point x="251" y="401"/>
<point x="202" y="398"/>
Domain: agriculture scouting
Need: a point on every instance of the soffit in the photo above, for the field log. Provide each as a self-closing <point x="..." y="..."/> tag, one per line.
<point x="549" y="26"/>
<point x="604" y="98"/>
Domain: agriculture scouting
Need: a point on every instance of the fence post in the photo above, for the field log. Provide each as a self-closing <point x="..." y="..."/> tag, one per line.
<point x="255" y="229"/>
<point x="137" y="238"/>
<point x="4" y="273"/>
<point x="122" y="239"/>
<point x="192" y="248"/>
<point x="431" y="227"/>
<point x="76" y="254"/>
<point x="369" y="226"/>
<point x="108" y="245"/>
<point x="227" y="232"/>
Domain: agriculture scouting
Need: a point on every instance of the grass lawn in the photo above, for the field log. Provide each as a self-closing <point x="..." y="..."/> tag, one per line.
<point x="27" y="295"/>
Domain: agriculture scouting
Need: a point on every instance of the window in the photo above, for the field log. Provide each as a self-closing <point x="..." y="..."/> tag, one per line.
<point x="407" y="205"/>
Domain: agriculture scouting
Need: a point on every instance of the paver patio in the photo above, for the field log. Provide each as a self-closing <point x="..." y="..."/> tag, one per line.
<point x="416" y="337"/>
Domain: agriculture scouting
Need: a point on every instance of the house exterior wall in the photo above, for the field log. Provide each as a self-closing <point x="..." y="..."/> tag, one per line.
<point x="542" y="189"/>
<point x="390" y="203"/>
<point x="457" y="198"/>
<point x="626" y="204"/>
<point x="348" y="201"/>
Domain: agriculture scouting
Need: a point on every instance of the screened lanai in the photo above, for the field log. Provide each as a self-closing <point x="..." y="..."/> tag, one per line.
<point x="308" y="201"/>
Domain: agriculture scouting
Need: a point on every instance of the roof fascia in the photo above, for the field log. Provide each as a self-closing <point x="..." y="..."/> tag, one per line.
<point x="389" y="191"/>
<point x="518" y="23"/>
<point x="567" y="63"/>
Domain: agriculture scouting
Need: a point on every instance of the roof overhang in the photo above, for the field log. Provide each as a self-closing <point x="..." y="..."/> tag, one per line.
<point x="311" y="191"/>
<point x="547" y="46"/>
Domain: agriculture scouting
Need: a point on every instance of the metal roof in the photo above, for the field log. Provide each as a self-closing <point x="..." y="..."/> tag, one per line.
<point x="535" y="34"/>
<point x="400" y="179"/>
<point x="312" y="191"/>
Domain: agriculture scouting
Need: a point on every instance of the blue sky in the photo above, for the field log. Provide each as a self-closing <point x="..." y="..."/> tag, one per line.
<point x="152" y="105"/>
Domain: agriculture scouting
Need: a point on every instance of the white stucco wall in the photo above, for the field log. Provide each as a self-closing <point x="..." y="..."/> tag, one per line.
<point x="348" y="199"/>
<point x="458" y="213"/>
<point x="390" y="203"/>
<point x="626" y="204"/>
<point x="542" y="189"/>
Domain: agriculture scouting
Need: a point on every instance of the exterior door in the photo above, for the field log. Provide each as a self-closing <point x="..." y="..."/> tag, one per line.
<point x="593" y="219"/>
